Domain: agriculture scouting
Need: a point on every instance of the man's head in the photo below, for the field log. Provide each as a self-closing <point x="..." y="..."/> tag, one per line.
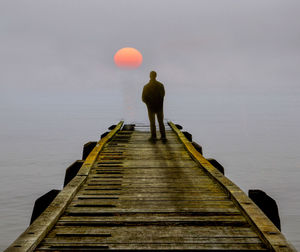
<point x="153" y="75"/>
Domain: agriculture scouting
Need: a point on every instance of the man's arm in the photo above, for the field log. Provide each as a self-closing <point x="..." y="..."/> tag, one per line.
<point x="144" y="95"/>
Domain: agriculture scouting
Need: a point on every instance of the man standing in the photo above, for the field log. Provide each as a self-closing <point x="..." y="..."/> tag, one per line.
<point x="153" y="96"/>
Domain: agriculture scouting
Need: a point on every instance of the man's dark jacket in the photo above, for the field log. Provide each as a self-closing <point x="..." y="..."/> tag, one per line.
<point x="153" y="95"/>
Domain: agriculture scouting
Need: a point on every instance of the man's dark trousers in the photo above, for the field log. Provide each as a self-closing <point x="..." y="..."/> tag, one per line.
<point x="160" y="119"/>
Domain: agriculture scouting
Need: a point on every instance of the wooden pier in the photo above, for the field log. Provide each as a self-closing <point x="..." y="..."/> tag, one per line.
<point x="131" y="194"/>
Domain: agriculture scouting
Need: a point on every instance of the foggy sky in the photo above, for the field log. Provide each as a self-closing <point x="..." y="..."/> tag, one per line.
<point x="56" y="47"/>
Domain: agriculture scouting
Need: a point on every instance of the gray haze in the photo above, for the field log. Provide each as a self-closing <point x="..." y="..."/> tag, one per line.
<point x="230" y="68"/>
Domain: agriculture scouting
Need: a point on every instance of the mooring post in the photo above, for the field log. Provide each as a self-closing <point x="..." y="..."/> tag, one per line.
<point x="87" y="148"/>
<point x="42" y="203"/>
<point x="104" y="134"/>
<point x="72" y="170"/>
<point x="198" y="147"/>
<point x="112" y="127"/>
<point x="188" y="135"/>
<point x="216" y="164"/>
<point x="266" y="204"/>
<point x="179" y="126"/>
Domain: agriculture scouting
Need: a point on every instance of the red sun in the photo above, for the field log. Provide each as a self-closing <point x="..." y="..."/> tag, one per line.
<point x="128" y="57"/>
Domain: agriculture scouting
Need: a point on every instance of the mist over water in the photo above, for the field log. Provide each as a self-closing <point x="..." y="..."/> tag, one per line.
<point x="254" y="136"/>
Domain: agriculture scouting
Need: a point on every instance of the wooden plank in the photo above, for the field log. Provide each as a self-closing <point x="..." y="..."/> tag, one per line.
<point x="149" y="190"/>
<point x="102" y="205"/>
<point x="203" y="210"/>
<point x="203" y="185"/>
<point x="127" y="182"/>
<point x="146" y="224"/>
<point x="156" y="163"/>
<point x="121" y="233"/>
<point x="151" y="246"/>
<point x="145" y="147"/>
<point x="150" y="170"/>
<point x="143" y="157"/>
<point x="157" y="197"/>
<point x="154" y="171"/>
<point x="138" y="238"/>
<point x="140" y="217"/>
<point x="135" y="184"/>
<point x="153" y="191"/>
<point x="142" y="180"/>
<point x="154" y="195"/>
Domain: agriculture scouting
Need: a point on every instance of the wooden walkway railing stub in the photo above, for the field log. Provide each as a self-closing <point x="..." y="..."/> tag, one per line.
<point x="131" y="194"/>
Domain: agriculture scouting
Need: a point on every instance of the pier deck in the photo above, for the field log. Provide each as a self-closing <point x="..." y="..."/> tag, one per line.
<point x="131" y="194"/>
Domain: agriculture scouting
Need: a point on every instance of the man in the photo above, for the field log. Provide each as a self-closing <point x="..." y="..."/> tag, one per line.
<point x="153" y="96"/>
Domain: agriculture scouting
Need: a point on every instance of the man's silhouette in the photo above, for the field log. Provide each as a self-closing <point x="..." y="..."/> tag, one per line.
<point x="153" y="96"/>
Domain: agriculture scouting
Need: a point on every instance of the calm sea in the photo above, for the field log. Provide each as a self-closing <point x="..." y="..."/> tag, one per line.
<point x="256" y="138"/>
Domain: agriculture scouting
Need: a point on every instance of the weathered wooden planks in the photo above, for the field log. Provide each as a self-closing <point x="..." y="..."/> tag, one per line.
<point x="144" y="196"/>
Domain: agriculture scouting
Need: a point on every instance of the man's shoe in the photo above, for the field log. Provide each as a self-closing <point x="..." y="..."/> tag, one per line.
<point x="152" y="140"/>
<point x="164" y="140"/>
